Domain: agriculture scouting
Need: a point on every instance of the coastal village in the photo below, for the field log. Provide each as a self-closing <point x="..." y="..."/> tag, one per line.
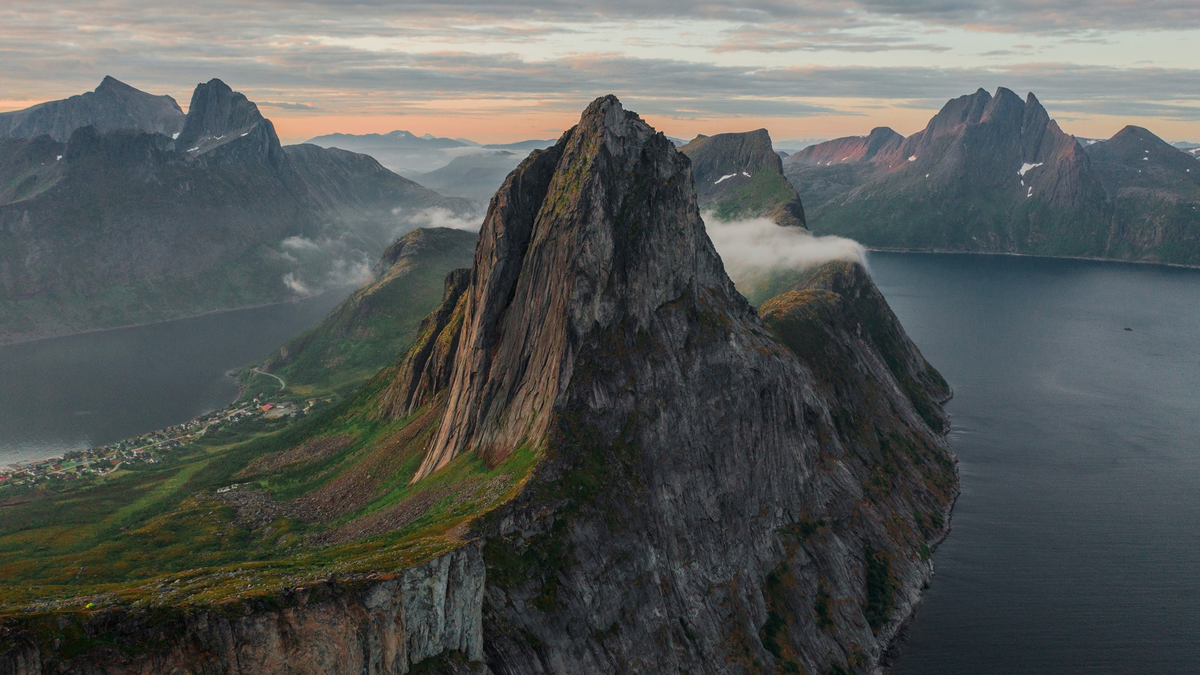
<point x="150" y="448"/>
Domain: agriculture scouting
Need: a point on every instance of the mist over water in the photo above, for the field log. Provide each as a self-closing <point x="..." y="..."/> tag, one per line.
<point x="1075" y="542"/>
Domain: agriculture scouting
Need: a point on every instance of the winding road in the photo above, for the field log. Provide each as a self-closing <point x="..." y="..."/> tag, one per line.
<point x="282" y="384"/>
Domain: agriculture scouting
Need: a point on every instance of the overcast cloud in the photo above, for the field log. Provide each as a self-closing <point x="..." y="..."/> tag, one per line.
<point x="841" y="66"/>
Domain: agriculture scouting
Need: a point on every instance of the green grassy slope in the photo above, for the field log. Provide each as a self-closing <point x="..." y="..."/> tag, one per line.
<point x="367" y="330"/>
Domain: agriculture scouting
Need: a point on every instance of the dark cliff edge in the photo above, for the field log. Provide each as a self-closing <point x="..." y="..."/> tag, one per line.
<point x="698" y="486"/>
<point x="382" y="625"/>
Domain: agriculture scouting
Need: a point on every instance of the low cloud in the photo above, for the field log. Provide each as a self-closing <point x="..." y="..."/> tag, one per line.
<point x="756" y="246"/>
<point x="436" y="216"/>
<point x="299" y="244"/>
<point x="323" y="264"/>
<point x="295" y="285"/>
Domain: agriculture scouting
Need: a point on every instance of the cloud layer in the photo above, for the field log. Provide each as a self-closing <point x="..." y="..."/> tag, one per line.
<point x="521" y="59"/>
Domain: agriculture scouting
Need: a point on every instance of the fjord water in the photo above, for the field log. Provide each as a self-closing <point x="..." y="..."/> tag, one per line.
<point x="1076" y="542"/>
<point x="84" y="390"/>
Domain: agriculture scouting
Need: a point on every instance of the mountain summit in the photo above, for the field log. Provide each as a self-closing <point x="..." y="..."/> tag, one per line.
<point x="220" y="117"/>
<point x="113" y="106"/>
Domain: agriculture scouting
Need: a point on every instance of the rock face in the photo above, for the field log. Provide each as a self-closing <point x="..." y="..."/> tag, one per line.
<point x="223" y="123"/>
<point x="718" y="492"/>
<point x="996" y="174"/>
<point x="113" y="106"/>
<point x="124" y="227"/>
<point x="381" y="627"/>
<point x="740" y="176"/>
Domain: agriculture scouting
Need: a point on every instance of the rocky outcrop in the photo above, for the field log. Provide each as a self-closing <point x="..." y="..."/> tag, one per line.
<point x="717" y="492"/>
<point x="997" y="174"/>
<point x="113" y="106"/>
<point x="740" y="176"/>
<point x="222" y="124"/>
<point x="382" y="626"/>
<point x="853" y="149"/>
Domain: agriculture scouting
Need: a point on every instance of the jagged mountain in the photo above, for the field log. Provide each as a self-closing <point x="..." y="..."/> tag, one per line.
<point x="117" y="228"/>
<point x="379" y="320"/>
<point x="740" y="176"/>
<point x="596" y="457"/>
<point x="113" y="106"/>
<point x="993" y="174"/>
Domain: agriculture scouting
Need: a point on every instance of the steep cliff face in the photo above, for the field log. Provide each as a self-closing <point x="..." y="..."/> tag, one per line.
<point x="379" y="627"/>
<point x="222" y="124"/>
<point x="997" y="174"/>
<point x="716" y="493"/>
<point x="113" y="106"/>
<point x="740" y="176"/>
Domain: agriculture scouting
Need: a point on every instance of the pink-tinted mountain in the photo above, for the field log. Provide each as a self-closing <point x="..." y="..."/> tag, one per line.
<point x="997" y="174"/>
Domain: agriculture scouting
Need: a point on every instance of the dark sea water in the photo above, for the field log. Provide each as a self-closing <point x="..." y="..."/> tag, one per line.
<point x="85" y="390"/>
<point x="1076" y="541"/>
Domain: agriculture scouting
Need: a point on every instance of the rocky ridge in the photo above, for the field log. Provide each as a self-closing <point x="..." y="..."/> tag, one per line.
<point x="708" y="476"/>
<point x="113" y="106"/>
<point x="993" y="173"/>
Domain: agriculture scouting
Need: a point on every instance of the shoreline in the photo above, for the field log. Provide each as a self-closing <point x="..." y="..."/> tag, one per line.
<point x="944" y="251"/>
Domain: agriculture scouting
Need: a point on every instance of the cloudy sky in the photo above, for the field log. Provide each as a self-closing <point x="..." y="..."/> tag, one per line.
<point x="503" y="70"/>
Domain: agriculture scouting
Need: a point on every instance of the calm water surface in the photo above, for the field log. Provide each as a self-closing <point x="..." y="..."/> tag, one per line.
<point x="85" y="390"/>
<point x="1076" y="542"/>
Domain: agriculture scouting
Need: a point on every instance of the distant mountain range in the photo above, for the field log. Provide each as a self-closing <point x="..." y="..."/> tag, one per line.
<point x="130" y="225"/>
<point x="739" y="176"/>
<point x="476" y="176"/>
<point x="997" y="174"/>
<point x="408" y="154"/>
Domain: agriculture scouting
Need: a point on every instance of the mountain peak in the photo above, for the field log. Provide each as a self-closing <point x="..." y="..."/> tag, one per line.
<point x="110" y="82"/>
<point x="571" y="244"/>
<point x="219" y="116"/>
<point x="111" y="106"/>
